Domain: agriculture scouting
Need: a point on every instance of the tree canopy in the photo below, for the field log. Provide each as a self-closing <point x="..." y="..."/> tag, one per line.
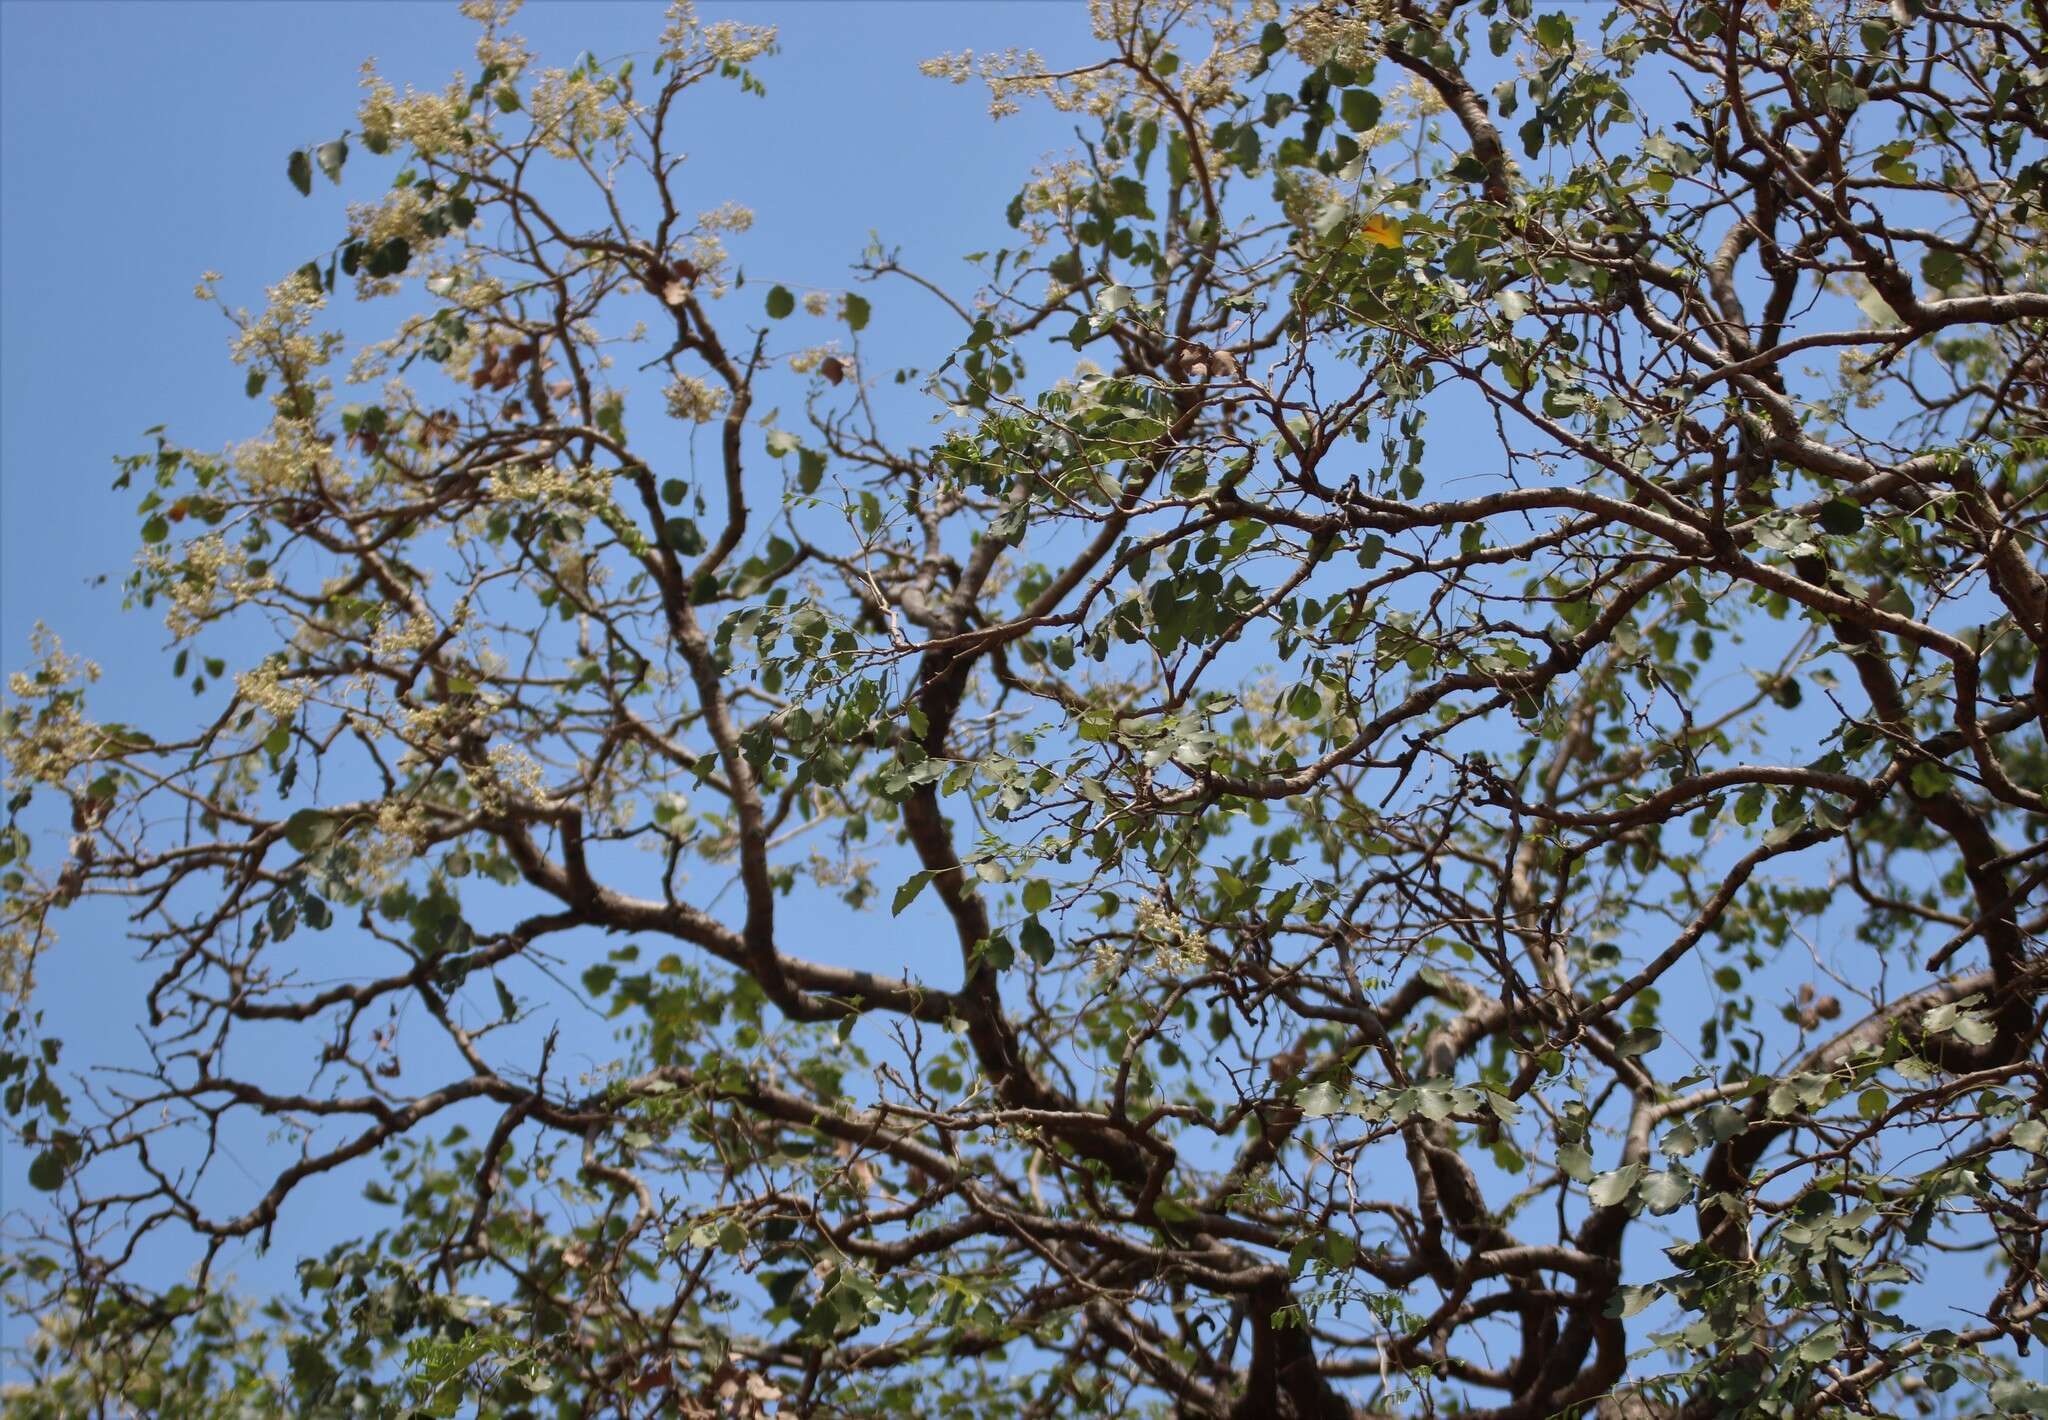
<point x="1444" y="696"/>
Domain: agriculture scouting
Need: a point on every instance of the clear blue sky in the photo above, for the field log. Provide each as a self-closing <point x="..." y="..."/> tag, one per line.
<point x="141" y="144"/>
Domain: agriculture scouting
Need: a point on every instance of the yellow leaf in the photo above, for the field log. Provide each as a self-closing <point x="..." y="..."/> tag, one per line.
<point x="1384" y="230"/>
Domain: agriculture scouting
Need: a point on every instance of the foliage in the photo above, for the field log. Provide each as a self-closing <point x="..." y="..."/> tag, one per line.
<point x="1545" y="922"/>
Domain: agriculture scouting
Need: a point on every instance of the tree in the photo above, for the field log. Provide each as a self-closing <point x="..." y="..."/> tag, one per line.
<point x="1547" y="923"/>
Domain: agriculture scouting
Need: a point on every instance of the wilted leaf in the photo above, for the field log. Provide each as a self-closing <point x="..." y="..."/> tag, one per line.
<point x="1381" y="229"/>
<point x="331" y="156"/>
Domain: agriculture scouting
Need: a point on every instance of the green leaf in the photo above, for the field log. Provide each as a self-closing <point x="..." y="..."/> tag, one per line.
<point x="1929" y="779"/>
<point x="1629" y="1300"/>
<point x="780" y="302"/>
<point x="46" y="1171"/>
<point x="508" y="1004"/>
<point x="299" y="168"/>
<point x="2017" y="1395"/>
<point x="1036" y="941"/>
<point x="1639" y="1042"/>
<point x="1613" y="1186"/>
<point x="683" y="535"/>
<point x="309" y="830"/>
<point x="1841" y="517"/>
<point x="857" y="311"/>
<point x="907" y="894"/>
<point x="1665" y="1191"/>
<point x="1941" y="269"/>
<point x="673" y="491"/>
<point x="1361" y="109"/>
<point x="810" y="470"/>
<point x="1877" y="309"/>
<point x="1680" y="1141"/>
<point x="1724" y="1122"/>
<point x="1822" y="1345"/>
<point x="1321" y="1100"/>
<point x="1576" y="1162"/>
<point x="1037" y="895"/>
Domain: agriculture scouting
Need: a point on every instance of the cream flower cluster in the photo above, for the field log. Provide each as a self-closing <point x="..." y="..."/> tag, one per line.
<point x="693" y="399"/>
<point x="199" y="579"/>
<point x="291" y="459"/>
<point x="1348" y="31"/>
<point x="572" y="110"/>
<point x="1176" y="950"/>
<point x="282" y="336"/>
<point x="727" y="217"/>
<point x="430" y="123"/>
<point x="684" y="38"/>
<point x="45" y="736"/>
<point x="511" y="769"/>
<point x="399" y="214"/>
<point x="550" y="484"/>
<point x="805" y="361"/>
<point x="398" y="636"/>
<point x="268" y="691"/>
<point x="1016" y="74"/>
